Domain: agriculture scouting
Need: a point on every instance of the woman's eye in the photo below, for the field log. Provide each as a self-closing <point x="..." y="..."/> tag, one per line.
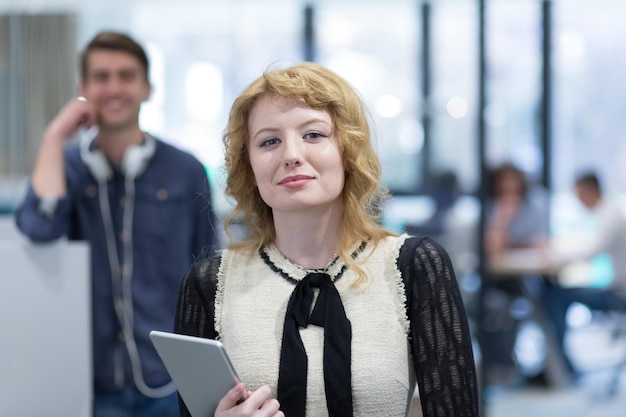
<point x="314" y="135"/>
<point x="269" y="142"/>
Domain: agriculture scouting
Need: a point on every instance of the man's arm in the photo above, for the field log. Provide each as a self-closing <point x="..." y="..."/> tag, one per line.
<point x="41" y="215"/>
<point x="48" y="178"/>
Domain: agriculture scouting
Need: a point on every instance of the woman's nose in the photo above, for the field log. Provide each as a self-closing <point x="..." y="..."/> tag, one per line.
<point x="292" y="154"/>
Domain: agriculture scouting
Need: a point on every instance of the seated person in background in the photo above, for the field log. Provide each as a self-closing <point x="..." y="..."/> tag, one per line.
<point x="516" y="217"/>
<point x="610" y="239"/>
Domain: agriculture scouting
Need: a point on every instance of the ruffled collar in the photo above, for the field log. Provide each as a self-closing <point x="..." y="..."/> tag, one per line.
<point x="294" y="272"/>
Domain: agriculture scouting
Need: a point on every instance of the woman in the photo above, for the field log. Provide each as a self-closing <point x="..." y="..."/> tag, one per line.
<point x="516" y="218"/>
<point x="387" y="310"/>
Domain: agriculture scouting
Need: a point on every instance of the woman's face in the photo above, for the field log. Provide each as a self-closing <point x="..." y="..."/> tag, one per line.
<point x="510" y="185"/>
<point x="296" y="160"/>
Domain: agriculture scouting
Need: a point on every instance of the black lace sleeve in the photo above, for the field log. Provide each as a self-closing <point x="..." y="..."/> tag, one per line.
<point x="195" y="309"/>
<point x="439" y="333"/>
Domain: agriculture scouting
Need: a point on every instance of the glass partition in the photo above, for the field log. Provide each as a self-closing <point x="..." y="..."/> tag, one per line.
<point x="376" y="47"/>
<point x="454" y="107"/>
<point x="512" y="114"/>
<point x="589" y="92"/>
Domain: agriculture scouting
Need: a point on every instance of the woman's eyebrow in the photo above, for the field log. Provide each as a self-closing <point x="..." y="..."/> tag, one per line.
<point x="314" y="120"/>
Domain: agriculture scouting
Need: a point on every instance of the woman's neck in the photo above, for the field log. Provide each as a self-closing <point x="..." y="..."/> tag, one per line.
<point x="307" y="239"/>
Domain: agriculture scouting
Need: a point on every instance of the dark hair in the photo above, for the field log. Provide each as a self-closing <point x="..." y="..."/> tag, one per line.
<point x="590" y="180"/>
<point x="114" y="41"/>
<point x="502" y="170"/>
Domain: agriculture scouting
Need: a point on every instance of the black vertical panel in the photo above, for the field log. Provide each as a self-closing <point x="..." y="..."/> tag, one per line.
<point x="309" y="47"/>
<point x="482" y="195"/>
<point x="546" y="94"/>
<point x="480" y="122"/>
<point x="426" y="91"/>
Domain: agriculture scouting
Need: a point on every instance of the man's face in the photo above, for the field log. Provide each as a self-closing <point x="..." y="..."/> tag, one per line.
<point x="587" y="196"/>
<point x="116" y="85"/>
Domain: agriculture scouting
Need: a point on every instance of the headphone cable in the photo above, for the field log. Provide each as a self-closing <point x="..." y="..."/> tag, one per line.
<point x="121" y="283"/>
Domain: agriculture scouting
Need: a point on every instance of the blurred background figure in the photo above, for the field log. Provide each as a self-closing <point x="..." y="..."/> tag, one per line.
<point x="452" y="222"/>
<point x="444" y="190"/>
<point x="517" y="213"/>
<point x="600" y="289"/>
<point x="143" y="206"/>
<point x="516" y="217"/>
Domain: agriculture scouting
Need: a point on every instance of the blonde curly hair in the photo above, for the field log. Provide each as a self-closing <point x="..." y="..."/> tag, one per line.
<point x="362" y="194"/>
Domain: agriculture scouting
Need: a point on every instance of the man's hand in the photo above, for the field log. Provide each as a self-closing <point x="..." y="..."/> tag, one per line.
<point x="76" y="113"/>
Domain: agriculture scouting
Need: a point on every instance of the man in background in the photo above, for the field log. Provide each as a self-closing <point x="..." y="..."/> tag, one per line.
<point x="610" y="240"/>
<point x="143" y="206"/>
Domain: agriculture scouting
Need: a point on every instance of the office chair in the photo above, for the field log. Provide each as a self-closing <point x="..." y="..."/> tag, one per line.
<point x="618" y="335"/>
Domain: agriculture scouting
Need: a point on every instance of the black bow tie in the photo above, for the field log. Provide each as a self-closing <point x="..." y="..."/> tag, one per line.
<point x="292" y="375"/>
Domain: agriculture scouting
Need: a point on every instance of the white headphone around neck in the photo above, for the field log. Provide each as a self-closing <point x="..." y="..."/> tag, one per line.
<point x="134" y="161"/>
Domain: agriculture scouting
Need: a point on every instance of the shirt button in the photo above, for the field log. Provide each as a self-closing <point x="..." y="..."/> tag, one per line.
<point x="162" y="194"/>
<point x="122" y="201"/>
<point x="90" y="191"/>
<point x="124" y="235"/>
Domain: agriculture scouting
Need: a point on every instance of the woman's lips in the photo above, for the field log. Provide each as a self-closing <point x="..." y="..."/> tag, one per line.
<point x="295" y="181"/>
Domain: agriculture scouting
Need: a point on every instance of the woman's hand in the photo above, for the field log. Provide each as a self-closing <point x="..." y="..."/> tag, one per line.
<point x="258" y="403"/>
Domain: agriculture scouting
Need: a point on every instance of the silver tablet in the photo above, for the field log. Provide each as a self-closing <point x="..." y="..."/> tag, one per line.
<point x="199" y="367"/>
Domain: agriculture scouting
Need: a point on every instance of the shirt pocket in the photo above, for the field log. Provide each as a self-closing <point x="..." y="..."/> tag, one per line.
<point x="158" y="211"/>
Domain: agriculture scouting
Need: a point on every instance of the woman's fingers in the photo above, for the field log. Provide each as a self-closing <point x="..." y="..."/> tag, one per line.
<point x="230" y="400"/>
<point x="258" y="403"/>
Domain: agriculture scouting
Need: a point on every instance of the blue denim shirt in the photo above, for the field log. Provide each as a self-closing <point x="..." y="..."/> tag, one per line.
<point x="173" y="223"/>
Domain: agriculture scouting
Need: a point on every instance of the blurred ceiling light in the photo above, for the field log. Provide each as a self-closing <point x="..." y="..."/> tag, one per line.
<point x="457" y="107"/>
<point x="388" y="106"/>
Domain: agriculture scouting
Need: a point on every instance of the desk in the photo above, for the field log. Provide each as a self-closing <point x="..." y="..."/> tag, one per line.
<point x="518" y="264"/>
<point x="45" y="318"/>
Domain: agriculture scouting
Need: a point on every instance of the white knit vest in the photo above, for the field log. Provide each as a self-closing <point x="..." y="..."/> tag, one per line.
<point x="250" y="308"/>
